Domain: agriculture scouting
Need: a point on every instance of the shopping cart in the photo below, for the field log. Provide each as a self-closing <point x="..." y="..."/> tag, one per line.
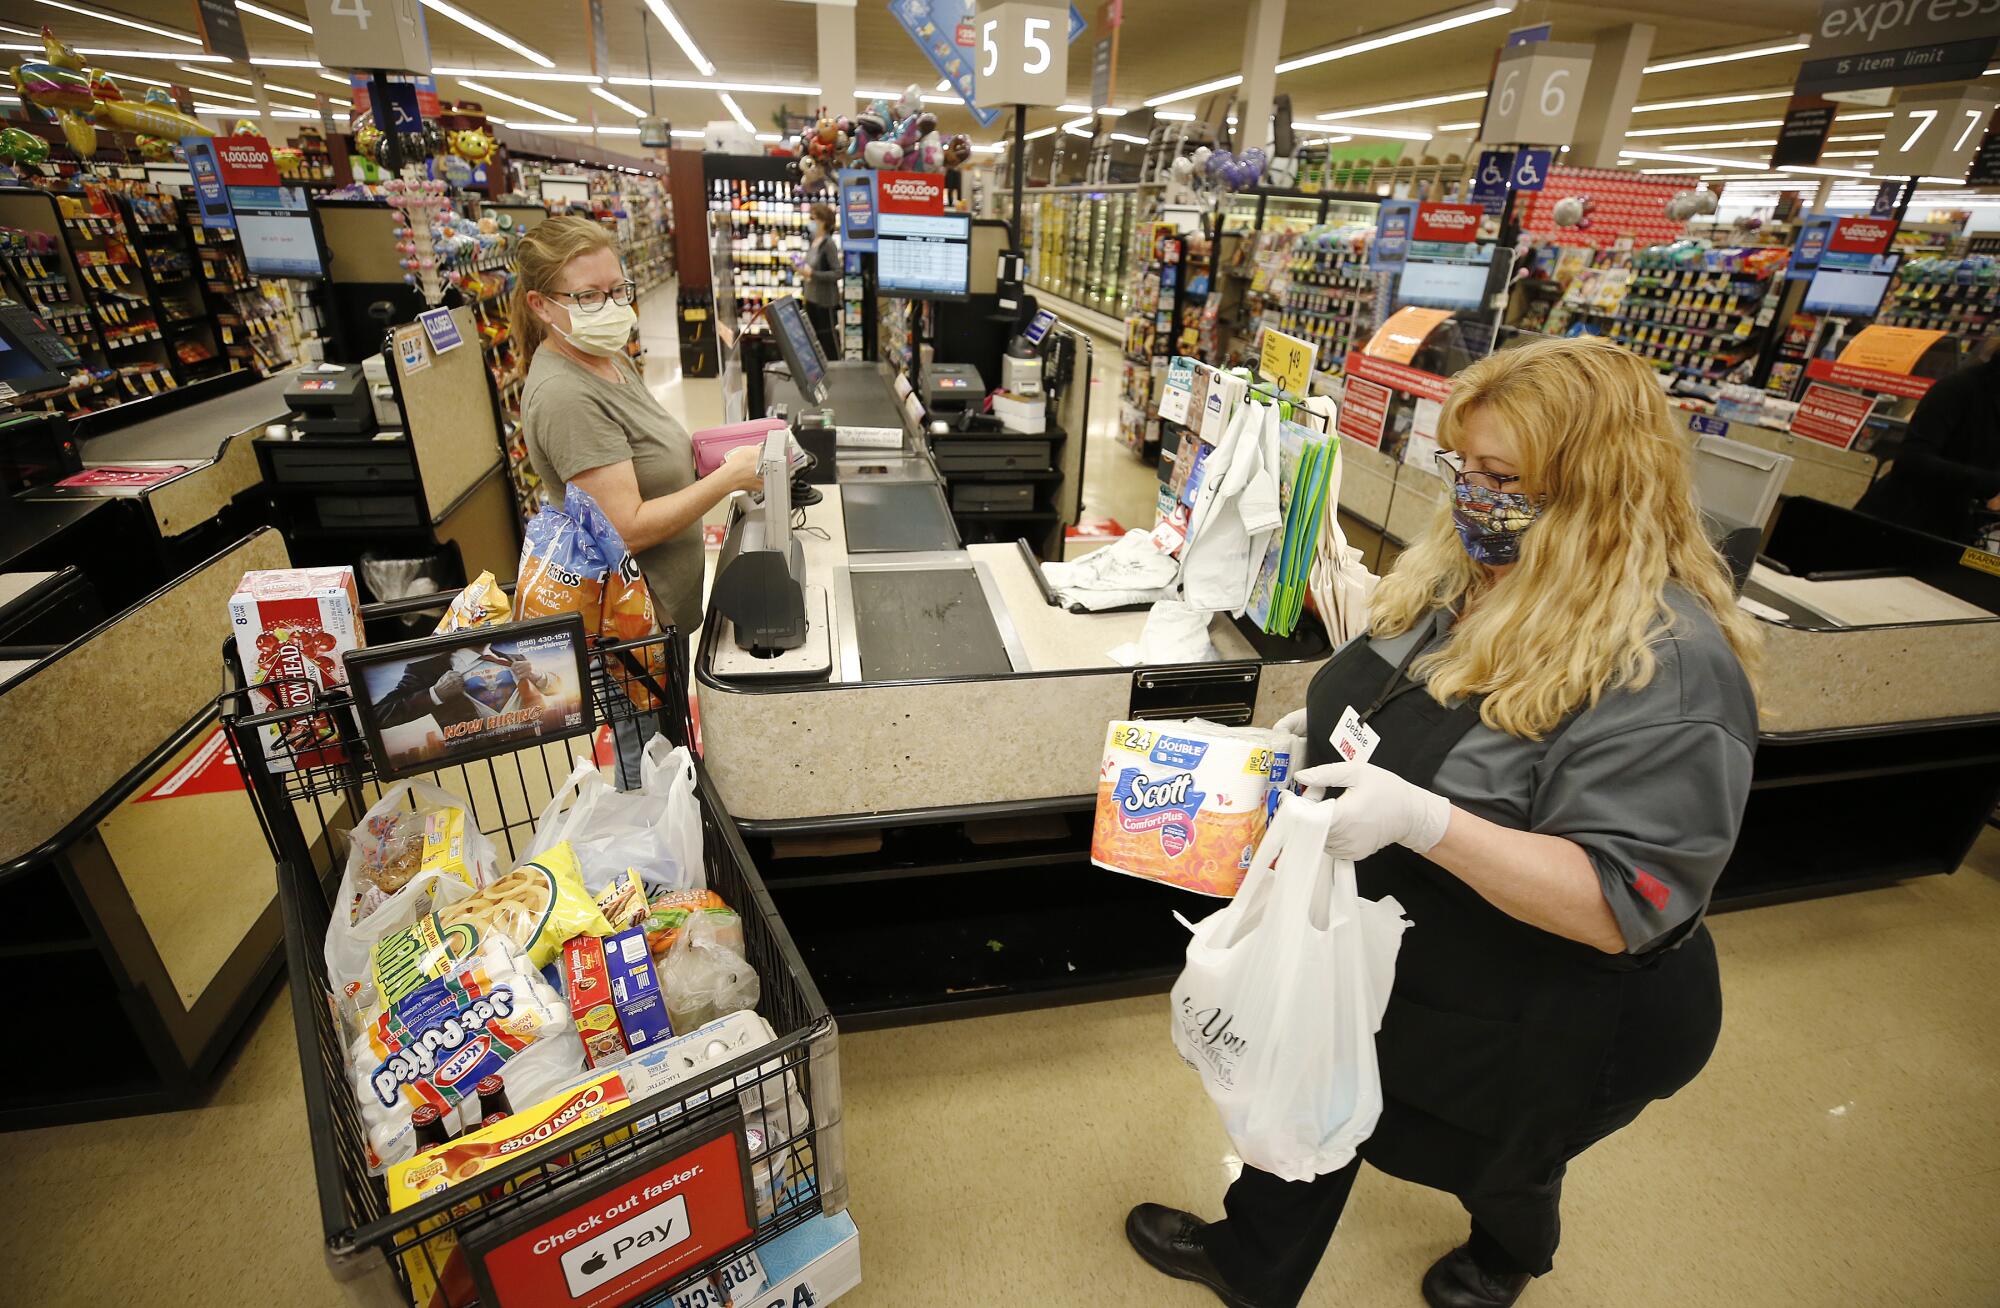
<point x="306" y="814"/>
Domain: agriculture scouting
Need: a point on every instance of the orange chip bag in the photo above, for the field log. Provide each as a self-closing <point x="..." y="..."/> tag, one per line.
<point x="574" y="561"/>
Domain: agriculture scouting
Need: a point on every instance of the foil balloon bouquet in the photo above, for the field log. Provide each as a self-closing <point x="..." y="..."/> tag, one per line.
<point x="82" y="98"/>
<point x="1212" y="174"/>
<point x="882" y="136"/>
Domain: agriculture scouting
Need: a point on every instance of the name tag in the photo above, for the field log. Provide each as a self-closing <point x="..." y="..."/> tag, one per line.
<point x="1354" y="740"/>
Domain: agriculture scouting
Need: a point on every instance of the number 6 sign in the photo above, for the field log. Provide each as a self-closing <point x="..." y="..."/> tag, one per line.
<point x="1537" y="94"/>
<point x="1023" y="55"/>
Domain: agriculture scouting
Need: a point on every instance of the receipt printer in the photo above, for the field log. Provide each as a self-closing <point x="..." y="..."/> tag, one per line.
<point x="951" y="388"/>
<point x="332" y="400"/>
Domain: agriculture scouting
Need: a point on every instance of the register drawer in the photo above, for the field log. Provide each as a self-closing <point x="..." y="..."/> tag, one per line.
<point x="968" y="455"/>
<point x="368" y="461"/>
<point x="989" y="496"/>
<point x="347" y="512"/>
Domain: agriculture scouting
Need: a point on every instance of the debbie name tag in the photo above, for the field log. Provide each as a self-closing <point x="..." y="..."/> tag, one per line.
<point x="1354" y="740"/>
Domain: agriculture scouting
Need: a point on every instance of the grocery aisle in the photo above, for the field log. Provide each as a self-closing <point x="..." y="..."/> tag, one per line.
<point x="992" y="1160"/>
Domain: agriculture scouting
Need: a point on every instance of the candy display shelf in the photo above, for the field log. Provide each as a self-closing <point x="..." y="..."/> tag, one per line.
<point x="1959" y="296"/>
<point x="1150" y="329"/>
<point x="1315" y="285"/>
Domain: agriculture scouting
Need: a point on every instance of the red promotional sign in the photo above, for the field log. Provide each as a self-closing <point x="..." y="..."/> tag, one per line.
<point x="1831" y="416"/>
<point x="1448" y="222"/>
<point x="1412" y="381"/>
<point x="1868" y="379"/>
<point x="1862" y="235"/>
<point x="1364" y="411"/>
<point x="911" y="193"/>
<point x="633" y="1236"/>
<point x="210" y="770"/>
<point x="245" y="161"/>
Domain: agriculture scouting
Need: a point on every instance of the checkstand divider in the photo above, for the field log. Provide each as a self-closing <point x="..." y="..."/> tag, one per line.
<point x="464" y="1242"/>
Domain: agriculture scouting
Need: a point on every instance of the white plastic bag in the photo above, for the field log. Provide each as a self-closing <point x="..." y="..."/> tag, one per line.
<point x="654" y="830"/>
<point x="1281" y="997"/>
<point x="349" y="942"/>
<point x="704" y="977"/>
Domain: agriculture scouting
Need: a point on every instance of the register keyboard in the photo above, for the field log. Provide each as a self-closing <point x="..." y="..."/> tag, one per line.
<point x="869" y="438"/>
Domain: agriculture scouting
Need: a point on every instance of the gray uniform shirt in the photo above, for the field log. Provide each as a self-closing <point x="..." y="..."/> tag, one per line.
<point x="1651" y="782"/>
<point x="575" y="420"/>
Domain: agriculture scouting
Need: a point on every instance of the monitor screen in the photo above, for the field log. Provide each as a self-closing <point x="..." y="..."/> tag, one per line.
<point x="800" y="346"/>
<point x="1845" y="294"/>
<point x="281" y="241"/>
<point x="1039" y="326"/>
<point x="1443" y="285"/>
<point x="921" y="257"/>
<point x="575" y="190"/>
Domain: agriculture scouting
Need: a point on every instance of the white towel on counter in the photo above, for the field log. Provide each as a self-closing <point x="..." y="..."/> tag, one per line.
<point x="1128" y="572"/>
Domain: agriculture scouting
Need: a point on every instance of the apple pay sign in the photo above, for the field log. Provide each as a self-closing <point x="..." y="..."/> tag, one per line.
<point x="625" y="1246"/>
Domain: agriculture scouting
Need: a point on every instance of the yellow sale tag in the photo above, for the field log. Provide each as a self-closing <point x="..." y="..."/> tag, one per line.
<point x="1286" y="361"/>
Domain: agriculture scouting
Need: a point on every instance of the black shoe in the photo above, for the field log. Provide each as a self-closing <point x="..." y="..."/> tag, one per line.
<point x="1458" y="1281"/>
<point x="1170" y="1240"/>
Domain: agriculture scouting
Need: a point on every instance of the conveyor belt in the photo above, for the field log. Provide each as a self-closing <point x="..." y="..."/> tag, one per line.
<point x="896" y="518"/>
<point x="913" y="624"/>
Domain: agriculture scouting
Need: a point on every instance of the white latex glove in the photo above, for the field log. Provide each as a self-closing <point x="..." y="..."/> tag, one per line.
<point x="1378" y="809"/>
<point x="1293" y="723"/>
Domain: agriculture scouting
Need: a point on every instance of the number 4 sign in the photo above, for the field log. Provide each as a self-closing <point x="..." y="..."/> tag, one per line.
<point x="370" y="34"/>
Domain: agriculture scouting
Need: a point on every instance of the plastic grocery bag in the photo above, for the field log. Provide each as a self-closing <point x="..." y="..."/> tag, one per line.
<point x="654" y="830"/>
<point x="705" y="977"/>
<point x="370" y="904"/>
<point x="1281" y="997"/>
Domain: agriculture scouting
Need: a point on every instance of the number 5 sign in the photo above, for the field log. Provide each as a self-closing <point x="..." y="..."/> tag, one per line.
<point x="370" y="34"/>
<point x="1023" y="55"/>
<point x="1936" y="133"/>
<point x="1537" y="93"/>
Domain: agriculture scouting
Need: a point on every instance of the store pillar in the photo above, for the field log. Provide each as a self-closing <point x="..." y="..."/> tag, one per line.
<point x="1616" y="64"/>
<point x="836" y="57"/>
<point x="1262" y="33"/>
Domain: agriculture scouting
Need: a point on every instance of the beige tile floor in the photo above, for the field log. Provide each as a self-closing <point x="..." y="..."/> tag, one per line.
<point x="1842" y="1148"/>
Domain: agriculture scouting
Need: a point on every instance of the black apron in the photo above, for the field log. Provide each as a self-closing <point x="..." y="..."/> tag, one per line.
<point x="1496" y="1031"/>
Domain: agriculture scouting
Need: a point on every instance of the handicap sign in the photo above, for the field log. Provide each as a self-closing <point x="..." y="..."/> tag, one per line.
<point x="1531" y="170"/>
<point x="1489" y="181"/>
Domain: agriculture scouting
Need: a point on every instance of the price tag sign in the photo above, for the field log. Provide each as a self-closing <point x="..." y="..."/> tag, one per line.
<point x="383" y="35"/>
<point x="1286" y="361"/>
<point x="1537" y="93"/>
<point x="1023" y="55"/>
<point x="1936" y="133"/>
<point x="598" y="1244"/>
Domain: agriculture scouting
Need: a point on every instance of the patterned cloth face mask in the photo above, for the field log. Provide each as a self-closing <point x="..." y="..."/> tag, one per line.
<point x="1491" y="522"/>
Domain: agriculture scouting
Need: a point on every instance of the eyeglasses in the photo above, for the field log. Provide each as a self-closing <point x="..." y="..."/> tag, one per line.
<point x="1454" y="470"/>
<point x="592" y="300"/>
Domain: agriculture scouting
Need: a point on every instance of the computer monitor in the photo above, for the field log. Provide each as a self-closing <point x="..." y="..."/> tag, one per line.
<point x="569" y="190"/>
<point x="1443" y="285"/>
<point x="921" y="257"/>
<point x="800" y="345"/>
<point x="277" y="233"/>
<point x="1846" y="293"/>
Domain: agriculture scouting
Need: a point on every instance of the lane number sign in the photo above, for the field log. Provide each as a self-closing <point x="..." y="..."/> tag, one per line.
<point x="1023" y="55"/>
<point x="1537" y="93"/>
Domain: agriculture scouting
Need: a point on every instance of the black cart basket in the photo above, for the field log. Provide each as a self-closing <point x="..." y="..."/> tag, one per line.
<point x="446" y="1250"/>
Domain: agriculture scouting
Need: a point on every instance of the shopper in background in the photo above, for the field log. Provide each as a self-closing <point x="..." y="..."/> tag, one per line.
<point x="822" y="274"/>
<point x="1556" y="674"/>
<point x="1945" y="479"/>
<point x="590" y="419"/>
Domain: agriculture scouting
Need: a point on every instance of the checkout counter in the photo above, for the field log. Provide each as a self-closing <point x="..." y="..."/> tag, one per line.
<point x="916" y="780"/>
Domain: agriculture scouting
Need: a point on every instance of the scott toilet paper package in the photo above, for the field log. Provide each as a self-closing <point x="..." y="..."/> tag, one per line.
<point x="1185" y="803"/>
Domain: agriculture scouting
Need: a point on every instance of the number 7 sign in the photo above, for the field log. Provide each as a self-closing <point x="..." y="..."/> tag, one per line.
<point x="1936" y="133"/>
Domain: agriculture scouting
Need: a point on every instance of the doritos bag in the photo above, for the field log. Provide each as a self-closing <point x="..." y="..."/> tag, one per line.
<point x="574" y="561"/>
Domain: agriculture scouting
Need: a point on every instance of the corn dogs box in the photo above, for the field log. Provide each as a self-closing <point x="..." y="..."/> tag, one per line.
<point x="1183" y="803"/>
<point x="291" y="625"/>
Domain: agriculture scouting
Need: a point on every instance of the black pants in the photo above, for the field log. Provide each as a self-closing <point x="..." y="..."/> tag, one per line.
<point x="825" y="320"/>
<point x="1275" y="1232"/>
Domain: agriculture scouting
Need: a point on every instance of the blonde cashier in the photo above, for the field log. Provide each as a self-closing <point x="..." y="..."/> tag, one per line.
<point x="589" y="418"/>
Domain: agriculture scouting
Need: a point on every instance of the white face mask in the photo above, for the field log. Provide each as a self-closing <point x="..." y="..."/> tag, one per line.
<point x="602" y="331"/>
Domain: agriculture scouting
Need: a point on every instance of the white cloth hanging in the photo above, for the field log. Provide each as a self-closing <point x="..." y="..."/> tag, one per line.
<point x="1235" y="512"/>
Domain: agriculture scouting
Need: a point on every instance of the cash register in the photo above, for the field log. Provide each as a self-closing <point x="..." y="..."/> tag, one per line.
<point x="32" y="356"/>
<point x="332" y="399"/>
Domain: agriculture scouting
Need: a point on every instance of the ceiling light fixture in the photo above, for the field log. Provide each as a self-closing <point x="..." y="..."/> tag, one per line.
<point x="213" y="94"/>
<point x="626" y="105"/>
<point x="1076" y="131"/>
<point x="1039" y="133"/>
<point x="105" y="52"/>
<point x="736" y="112"/>
<point x="1663" y="106"/>
<point x="1444" y="22"/>
<point x="1458" y="97"/>
<point x="270" y="63"/>
<point x="1174" y="116"/>
<point x="893" y="96"/>
<point x="1189" y="93"/>
<point x="1707" y="160"/>
<point x="480" y="88"/>
<point x="1709" y="127"/>
<point x="684" y="84"/>
<point x="336" y="80"/>
<point x="491" y="33"/>
<point x="1731" y="54"/>
<point x="1727" y="145"/>
<point x="685" y="132"/>
<point x="1824" y="172"/>
<point x="273" y="16"/>
<point x="226" y="111"/>
<point x="493" y="74"/>
<point x="672" y="22"/>
<point x="1849" y="154"/>
<point x="1128" y="138"/>
<point x="134" y="77"/>
<point x="1393" y="133"/>
<point x="105" y="17"/>
<point x="1458" y="127"/>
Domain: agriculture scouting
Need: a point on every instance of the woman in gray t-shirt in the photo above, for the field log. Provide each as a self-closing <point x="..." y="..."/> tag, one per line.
<point x="588" y="418"/>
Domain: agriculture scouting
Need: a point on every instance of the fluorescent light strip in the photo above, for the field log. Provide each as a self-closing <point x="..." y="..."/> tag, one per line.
<point x="1444" y="22"/>
<point x="1459" y="97"/>
<point x="1849" y="154"/>
<point x="108" y="53"/>
<point x="1730" y="55"/>
<point x="134" y="77"/>
<point x="273" y="16"/>
<point x="1039" y="133"/>
<point x="313" y="64"/>
<point x="1858" y="136"/>
<point x="225" y="111"/>
<point x="213" y="94"/>
<point x="1076" y="131"/>
<point x="684" y="84"/>
<point x="1709" y="127"/>
<point x="626" y="105"/>
<point x="1663" y="106"/>
<point x="336" y="80"/>
<point x="493" y="74"/>
<point x="1727" y="145"/>
<point x="1128" y="138"/>
<point x="491" y="33"/>
<point x="672" y="22"/>
<point x="244" y="81"/>
<point x="1174" y="116"/>
<point x="1393" y="133"/>
<point x="1189" y="93"/>
<point x="106" y="17"/>
<point x="1824" y="172"/>
<point x="893" y="96"/>
<point x="687" y="132"/>
<point x="736" y="112"/>
<point x="1458" y="127"/>
<point x="1689" y="159"/>
<point x="480" y="88"/>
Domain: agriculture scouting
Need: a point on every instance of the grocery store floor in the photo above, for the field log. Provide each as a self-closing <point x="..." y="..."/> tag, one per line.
<point x="1843" y="1146"/>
